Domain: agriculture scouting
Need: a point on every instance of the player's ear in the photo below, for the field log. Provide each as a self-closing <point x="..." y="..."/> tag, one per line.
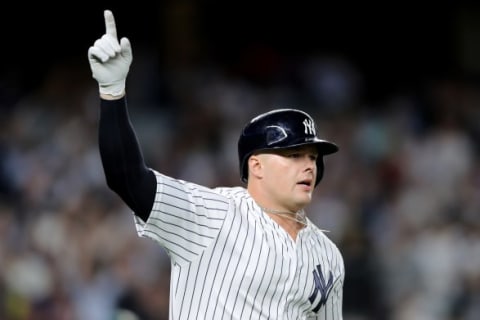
<point x="255" y="166"/>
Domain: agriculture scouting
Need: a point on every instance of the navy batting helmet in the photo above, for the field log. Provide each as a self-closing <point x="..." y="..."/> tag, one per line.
<point x="280" y="129"/>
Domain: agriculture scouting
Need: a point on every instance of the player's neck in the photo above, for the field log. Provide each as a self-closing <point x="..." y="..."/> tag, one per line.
<point x="291" y="222"/>
<point x="298" y="216"/>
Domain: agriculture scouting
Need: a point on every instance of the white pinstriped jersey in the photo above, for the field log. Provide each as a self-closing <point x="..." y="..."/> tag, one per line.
<point x="232" y="261"/>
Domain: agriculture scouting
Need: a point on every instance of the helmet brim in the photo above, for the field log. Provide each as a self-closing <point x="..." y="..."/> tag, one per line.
<point x="324" y="147"/>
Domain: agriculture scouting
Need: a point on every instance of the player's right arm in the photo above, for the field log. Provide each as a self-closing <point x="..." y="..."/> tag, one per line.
<point x="123" y="163"/>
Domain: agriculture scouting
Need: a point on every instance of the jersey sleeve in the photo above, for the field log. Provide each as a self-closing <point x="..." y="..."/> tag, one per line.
<point x="185" y="218"/>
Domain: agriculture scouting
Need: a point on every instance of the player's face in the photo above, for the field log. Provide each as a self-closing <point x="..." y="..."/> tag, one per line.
<point x="289" y="176"/>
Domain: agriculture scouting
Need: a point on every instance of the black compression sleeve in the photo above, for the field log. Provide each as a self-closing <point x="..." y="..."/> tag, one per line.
<point x="122" y="159"/>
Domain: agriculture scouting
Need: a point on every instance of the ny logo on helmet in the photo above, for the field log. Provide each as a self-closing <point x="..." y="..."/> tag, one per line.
<point x="309" y="126"/>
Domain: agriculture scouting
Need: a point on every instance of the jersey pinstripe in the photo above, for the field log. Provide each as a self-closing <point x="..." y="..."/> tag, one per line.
<point x="232" y="261"/>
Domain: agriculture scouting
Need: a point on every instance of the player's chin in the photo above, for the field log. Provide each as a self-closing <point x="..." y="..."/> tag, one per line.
<point x="304" y="194"/>
<point x="305" y="188"/>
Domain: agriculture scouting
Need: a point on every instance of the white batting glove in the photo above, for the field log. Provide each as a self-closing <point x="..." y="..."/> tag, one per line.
<point x="110" y="60"/>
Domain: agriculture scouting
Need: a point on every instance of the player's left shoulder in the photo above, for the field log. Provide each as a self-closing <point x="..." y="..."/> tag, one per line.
<point x="321" y="233"/>
<point x="323" y="236"/>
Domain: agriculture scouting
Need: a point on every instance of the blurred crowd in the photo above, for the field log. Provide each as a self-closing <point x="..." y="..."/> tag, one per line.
<point x="401" y="198"/>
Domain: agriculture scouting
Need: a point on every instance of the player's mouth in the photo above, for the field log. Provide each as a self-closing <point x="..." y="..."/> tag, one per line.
<point x="306" y="183"/>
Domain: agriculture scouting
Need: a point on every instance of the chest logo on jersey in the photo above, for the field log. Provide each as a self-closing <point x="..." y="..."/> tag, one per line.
<point x="322" y="286"/>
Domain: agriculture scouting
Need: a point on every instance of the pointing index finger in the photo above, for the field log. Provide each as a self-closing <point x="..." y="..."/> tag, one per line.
<point x="110" y="27"/>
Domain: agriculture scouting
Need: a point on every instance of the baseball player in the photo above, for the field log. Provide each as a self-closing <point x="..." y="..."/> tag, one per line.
<point x="236" y="252"/>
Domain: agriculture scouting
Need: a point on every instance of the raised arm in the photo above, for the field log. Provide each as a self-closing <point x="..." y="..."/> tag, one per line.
<point x="125" y="170"/>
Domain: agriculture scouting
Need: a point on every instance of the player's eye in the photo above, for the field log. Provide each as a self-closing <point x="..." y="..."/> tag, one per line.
<point x="294" y="155"/>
